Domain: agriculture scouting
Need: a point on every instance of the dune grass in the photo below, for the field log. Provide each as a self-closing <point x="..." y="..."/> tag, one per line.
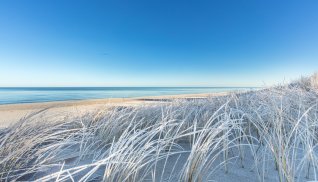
<point x="271" y="133"/>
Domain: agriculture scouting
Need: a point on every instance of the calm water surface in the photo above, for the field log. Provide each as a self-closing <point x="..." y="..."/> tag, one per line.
<point x="47" y="94"/>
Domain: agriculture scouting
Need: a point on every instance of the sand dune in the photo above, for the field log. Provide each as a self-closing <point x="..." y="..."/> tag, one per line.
<point x="264" y="135"/>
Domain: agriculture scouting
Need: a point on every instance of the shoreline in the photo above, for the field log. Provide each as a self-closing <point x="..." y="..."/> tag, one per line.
<point x="66" y="103"/>
<point x="11" y="113"/>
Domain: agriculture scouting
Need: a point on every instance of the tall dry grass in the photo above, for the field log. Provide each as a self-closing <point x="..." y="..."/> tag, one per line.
<point x="307" y="83"/>
<point x="271" y="133"/>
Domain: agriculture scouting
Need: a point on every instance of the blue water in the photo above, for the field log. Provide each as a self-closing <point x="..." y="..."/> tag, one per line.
<point x="48" y="94"/>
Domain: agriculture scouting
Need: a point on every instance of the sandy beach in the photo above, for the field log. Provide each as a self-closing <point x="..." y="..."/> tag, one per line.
<point x="11" y="113"/>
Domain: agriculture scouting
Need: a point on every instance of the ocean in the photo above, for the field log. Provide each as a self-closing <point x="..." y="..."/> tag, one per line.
<point x="15" y="95"/>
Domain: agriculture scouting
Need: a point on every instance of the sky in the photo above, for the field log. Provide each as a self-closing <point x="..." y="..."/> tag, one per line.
<point x="156" y="43"/>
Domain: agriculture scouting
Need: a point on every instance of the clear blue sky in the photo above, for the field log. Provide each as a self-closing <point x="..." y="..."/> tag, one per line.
<point x="156" y="43"/>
